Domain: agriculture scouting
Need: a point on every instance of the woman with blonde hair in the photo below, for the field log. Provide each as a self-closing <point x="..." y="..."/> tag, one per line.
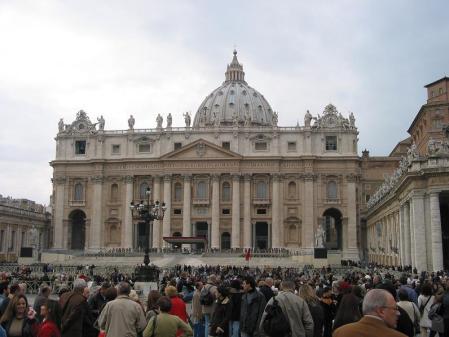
<point x="307" y="293"/>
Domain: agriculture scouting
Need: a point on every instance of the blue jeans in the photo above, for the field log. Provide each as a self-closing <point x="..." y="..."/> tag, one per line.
<point x="206" y="324"/>
<point x="234" y="328"/>
<point x="198" y="329"/>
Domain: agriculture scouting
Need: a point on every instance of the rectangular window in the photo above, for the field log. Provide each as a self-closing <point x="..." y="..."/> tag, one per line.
<point x="260" y="146"/>
<point x="291" y="146"/>
<point x="261" y="211"/>
<point x="144" y="148"/>
<point x="177" y="146"/>
<point x="226" y="145"/>
<point x="116" y="149"/>
<point x="177" y="211"/>
<point x="80" y="147"/>
<point x="226" y="211"/>
<point x="331" y="143"/>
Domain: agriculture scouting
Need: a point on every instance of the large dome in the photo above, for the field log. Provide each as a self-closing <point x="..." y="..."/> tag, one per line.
<point x="234" y="102"/>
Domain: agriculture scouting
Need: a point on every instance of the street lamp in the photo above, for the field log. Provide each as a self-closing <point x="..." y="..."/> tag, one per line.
<point x="147" y="212"/>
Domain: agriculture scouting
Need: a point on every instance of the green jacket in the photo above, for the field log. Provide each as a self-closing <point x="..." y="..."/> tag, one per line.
<point x="166" y="326"/>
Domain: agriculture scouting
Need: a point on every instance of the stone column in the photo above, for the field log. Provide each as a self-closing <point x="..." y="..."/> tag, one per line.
<point x="215" y="234"/>
<point x="157" y="223"/>
<point x="247" y="230"/>
<point x="96" y="225"/>
<point x="275" y="223"/>
<point x="352" y="252"/>
<point x="235" y="241"/>
<point x="58" y="234"/>
<point x="308" y="226"/>
<point x="407" y="237"/>
<point x="167" y="199"/>
<point x="128" y="218"/>
<point x="186" y="211"/>
<point x="435" y="223"/>
<point x="401" y="236"/>
<point x="419" y="232"/>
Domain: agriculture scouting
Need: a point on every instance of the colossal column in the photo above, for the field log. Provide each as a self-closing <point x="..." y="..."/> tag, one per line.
<point x="157" y="223"/>
<point x="275" y="223"/>
<point x="419" y="231"/>
<point x="247" y="211"/>
<point x="58" y="235"/>
<point x="401" y="236"/>
<point x="235" y="242"/>
<point x="308" y="230"/>
<point x="351" y="247"/>
<point x="96" y="225"/>
<point x="407" y="237"/>
<point x="167" y="199"/>
<point x="128" y="221"/>
<point x="186" y="212"/>
<point x="215" y="235"/>
<point x="435" y="223"/>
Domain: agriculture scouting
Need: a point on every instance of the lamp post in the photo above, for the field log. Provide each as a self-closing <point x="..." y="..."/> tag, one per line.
<point x="147" y="211"/>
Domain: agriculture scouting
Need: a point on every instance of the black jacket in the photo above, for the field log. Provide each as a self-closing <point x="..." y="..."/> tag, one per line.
<point x="236" y="303"/>
<point x="29" y="327"/>
<point x="267" y="292"/>
<point x="253" y="306"/>
<point x="221" y="317"/>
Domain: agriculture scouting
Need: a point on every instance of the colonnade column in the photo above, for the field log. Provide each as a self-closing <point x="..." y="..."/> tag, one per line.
<point x="247" y="211"/>
<point x="96" y="225"/>
<point x="215" y="234"/>
<point x="275" y="223"/>
<point x="157" y="223"/>
<point x="308" y="228"/>
<point x="435" y="223"/>
<point x="186" y="211"/>
<point x="128" y="222"/>
<point x="58" y="234"/>
<point x="235" y="241"/>
<point x="401" y="236"/>
<point x="352" y="252"/>
<point x="167" y="199"/>
<point x="407" y="235"/>
<point x="419" y="231"/>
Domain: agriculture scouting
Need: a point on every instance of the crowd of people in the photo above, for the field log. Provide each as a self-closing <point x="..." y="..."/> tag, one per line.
<point x="231" y="301"/>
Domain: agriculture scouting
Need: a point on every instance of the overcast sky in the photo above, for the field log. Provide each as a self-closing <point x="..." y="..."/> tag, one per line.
<point x="116" y="58"/>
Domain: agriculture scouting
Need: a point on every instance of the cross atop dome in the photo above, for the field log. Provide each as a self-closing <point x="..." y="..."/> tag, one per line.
<point x="234" y="71"/>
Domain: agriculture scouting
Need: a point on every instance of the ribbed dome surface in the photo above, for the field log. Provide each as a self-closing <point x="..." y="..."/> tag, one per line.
<point x="234" y="102"/>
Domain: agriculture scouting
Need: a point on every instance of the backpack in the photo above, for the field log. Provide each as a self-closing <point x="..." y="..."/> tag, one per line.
<point x="276" y="324"/>
<point x="206" y="297"/>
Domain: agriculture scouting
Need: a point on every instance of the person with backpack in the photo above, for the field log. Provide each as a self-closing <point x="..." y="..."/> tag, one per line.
<point x="207" y="298"/>
<point x="253" y="305"/>
<point x="295" y="311"/>
<point x="425" y="301"/>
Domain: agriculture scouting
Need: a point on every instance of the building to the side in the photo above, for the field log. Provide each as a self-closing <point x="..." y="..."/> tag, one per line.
<point x="408" y="216"/>
<point x="23" y="224"/>
<point x="233" y="176"/>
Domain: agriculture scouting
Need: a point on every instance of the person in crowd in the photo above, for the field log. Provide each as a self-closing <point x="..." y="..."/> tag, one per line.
<point x="412" y="295"/>
<point x="265" y="289"/>
<point x="51" y="319"/>
<point x="410" y="307"/>
<point x="329" y="310"/>
<point x="252" y="308"/>
<point x="236" y="301"/>
<point x="380" y="317"/>
<point x="14" y="290"/>
<point x="307" y="293"/>
<point x="122" y="316"/>
<point x="348" y="311"/>
<point x="219" y="323"/>
<point x="425" y="301"/>
<point x="164" y="324"/>
<point x="76" y="319"/>
<point x="41" y="298"/>
<point x="209" y="288"/>
<point x="197" y="313"/>
<point x="4" y="292"/>
<point x="19" y="319"/>
<point x="152" y="308"/>
<point x="295" y="309"/>
<point x="135" y="297"/>
<point x="98" y="300"/>
<point x="445" y="310"/>
<point x="178" y="306"/>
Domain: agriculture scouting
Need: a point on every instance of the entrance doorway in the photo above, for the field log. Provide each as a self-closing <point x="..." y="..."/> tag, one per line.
<point x="78" y="229"/>
<point x="261" y="229"/>
<point x="444" y="212"/>
<point x="201" y="229"/>
<point x="333" y="229"/>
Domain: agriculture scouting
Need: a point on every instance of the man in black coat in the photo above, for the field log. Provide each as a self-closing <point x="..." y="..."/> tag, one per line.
<point x="253" y="306"/>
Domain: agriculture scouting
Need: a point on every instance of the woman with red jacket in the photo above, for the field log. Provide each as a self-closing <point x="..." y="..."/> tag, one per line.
<point x="51" y="314"/>
<point x="178" y="307"/>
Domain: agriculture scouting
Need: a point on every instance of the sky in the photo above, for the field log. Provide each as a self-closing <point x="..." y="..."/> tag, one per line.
<point x="116" y="58"/>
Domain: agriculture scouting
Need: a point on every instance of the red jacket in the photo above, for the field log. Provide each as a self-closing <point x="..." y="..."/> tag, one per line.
<point x="48" y="329"/>
<point x="178" y="308"/>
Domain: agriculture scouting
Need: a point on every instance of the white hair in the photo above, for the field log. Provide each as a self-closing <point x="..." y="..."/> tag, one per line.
<point x="79" y="283"/>
<point x="375" y="298"/>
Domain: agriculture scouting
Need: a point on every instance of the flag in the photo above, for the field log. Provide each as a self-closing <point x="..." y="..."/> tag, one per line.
<point x="248" y="254"/>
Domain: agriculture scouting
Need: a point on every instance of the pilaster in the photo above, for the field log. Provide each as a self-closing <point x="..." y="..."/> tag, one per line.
<point x="215" y="235"/>
<point x="247" y="230"/>
<point x="235" y="239"/>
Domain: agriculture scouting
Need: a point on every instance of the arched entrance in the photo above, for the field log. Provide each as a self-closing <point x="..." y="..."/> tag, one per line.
<point x="333" y="229"/>
<point x="261" y="229"/>
<point x="78" y="229"/>
<point x="225" y="240"/>
<point x="201" y="229"/>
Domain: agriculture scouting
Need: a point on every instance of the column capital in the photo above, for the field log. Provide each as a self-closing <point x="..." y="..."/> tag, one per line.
<point x="59" y="180"/>
<point x="309" y="176"/>
<point x="215" y="177"/>
<point x="128" y="179"/>
<point x="352" y="177"/>
<point x="97" y="179"/>
<point x="247" y="176"/>
<point x="276" y="177"/>
<point x="187" y="177"/>
<point x="236" y="176"/>
<point x="167" y="177"/>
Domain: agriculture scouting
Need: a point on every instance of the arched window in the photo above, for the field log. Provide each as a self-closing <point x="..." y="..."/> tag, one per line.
<point x="78" y="194"/>
<point x="225" y="240"/>
<point x="178" y="192"/>
<point x="261" y="190"/>
<point x="226" y="191"/>
<point x="332" y="190"/>
<point x="143" y="190"/>
<point x="114" y="192"/>
<point x="201" y="192"/>
<point x="291" y="190"/>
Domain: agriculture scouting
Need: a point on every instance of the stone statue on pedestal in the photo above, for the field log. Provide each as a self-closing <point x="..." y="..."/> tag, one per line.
<point x="187" y="119"/>
<point x="169" y="120"/>
<point x="319" y="237"/>
<point x="307" y="119"/>
<point x="101" y="122"/>
<point x="159" y="121"/>
<point x="61" y="125"/>
<point x="131" y="122"/>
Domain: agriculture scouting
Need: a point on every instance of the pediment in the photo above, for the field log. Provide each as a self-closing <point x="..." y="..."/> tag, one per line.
<point x="201" y="150"/>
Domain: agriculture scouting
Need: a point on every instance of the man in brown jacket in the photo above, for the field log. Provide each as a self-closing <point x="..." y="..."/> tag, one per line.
<point x="380" y="317"/>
